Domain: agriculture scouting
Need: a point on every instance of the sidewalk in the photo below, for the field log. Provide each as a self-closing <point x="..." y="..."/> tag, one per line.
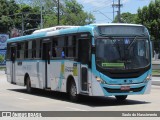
<point x="2" y="72"/>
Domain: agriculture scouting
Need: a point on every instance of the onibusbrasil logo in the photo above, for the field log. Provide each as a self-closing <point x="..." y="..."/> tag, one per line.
<point x="3" y="39"/>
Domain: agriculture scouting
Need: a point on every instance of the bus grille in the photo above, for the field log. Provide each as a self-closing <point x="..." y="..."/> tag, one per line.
<point x="123" y="91"/>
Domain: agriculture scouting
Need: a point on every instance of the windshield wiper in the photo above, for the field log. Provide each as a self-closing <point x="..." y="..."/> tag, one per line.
<point x="135" y="40"/>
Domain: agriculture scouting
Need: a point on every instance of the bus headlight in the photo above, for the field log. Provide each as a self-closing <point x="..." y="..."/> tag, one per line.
<point x="100" y="80"/>
<point x="148" y="78"/>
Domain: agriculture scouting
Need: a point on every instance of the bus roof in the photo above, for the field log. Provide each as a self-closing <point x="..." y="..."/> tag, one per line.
<point x="53" y="29"/>
<point x="65" y="30"/>
<point x="112" y="24"/>
<point x="49" y="32"/>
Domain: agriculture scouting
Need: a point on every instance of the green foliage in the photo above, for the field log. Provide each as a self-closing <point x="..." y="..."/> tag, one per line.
<point x="126" y="18"/>
<point x="150" y="17"/>
<point x="12" y="12"/>
<point x="31" y="18"/>
<point x="2" y="58"/>
<point x="7" y="9"/>
<point x="71" y="12"/>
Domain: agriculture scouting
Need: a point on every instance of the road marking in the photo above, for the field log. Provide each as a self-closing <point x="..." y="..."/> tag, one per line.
<point x="75" y="109"/>
<point x="23" y="99"/>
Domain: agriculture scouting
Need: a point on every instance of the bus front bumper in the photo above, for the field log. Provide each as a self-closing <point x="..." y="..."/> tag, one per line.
<point x="129" y="89"/>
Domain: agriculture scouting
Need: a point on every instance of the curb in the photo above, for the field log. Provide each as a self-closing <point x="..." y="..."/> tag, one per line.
<point x="155" y="75"/>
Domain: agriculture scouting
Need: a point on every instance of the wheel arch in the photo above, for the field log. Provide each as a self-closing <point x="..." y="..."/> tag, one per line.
<point x="68" y="83"/>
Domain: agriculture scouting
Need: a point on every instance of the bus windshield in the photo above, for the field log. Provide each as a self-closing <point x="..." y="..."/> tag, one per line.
<point x="122" y="53"/>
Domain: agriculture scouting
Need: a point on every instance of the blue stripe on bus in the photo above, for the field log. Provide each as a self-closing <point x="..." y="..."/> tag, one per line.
<point x="88" y="28"/>
<point x="27" y="37"/>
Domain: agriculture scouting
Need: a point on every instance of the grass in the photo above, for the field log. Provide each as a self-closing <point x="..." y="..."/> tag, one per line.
<point x="155" y="72"/>
<point x="2" y="67"/>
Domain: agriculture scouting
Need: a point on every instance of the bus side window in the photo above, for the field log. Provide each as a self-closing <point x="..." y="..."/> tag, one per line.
<point x="54" y="48"/>
<point x="13" y="55"/>
<point x="54" y="52"/>
<point x="8" y="52"/>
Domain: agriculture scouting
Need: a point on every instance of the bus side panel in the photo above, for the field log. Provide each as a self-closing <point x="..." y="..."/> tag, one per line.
<point x="148" y="87"/>
<point x="34" y="72"/>
<point x="56" y="75"/>
<point x="39" y="67"/>
<point x="27" y="67"/>
<point x="71" y="69"/>
<point x="90" y="82"/>
<point x="96" y="87"/>
<point x="19" y="73"/>
<point x="8" y="66"/>
<point x="59" y="73"/>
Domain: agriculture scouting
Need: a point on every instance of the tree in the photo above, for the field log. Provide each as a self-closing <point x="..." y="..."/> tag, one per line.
<point x="126" y="18"/>
<point x="29" y="16"/>
<point x="149" y="16"/>
<point x="71" y="12"/>
<point x="7" y="9"/>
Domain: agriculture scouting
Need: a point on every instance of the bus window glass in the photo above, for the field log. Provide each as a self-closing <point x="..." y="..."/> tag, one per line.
<point x="54" y="46"/>
<point x="70" y="47"/>
<point x="26" y="50"/>
<point x="22" y="51"/>
<point x="30" y="49"/>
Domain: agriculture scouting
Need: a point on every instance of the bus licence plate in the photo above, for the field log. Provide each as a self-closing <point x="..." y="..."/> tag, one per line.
<point x="125" y="87"/>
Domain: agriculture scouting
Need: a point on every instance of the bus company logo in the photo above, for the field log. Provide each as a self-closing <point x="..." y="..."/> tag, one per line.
<point x="3" y="39"/>
<point x="6" y="114"/>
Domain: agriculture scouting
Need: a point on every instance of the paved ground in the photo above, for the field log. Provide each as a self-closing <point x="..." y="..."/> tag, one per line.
<point x="15" y="98"/>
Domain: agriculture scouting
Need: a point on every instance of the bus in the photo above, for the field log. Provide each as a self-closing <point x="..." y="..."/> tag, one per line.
<point x="93" y="60"/>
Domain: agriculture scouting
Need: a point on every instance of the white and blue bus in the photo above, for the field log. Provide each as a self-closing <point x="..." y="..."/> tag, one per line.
<point x="93" y="60"/>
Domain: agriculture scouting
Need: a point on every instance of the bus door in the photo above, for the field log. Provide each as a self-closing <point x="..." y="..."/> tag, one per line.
<point x="83" y="56"/>
<point x="46" y="56"/>
<point x="13" y="68"/>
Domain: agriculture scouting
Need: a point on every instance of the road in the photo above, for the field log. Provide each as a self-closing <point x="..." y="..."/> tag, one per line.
<point x="15" y="98"/>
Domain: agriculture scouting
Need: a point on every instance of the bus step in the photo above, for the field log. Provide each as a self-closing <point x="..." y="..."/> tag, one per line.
<point x="48" y="89"/>
<point x="13" y="83"/>
<point x="84" y="93"/>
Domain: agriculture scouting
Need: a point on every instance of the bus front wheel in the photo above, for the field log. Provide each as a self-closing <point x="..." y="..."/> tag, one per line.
<point x="73" y="92"/>
<point x="28" y="85"/>
<point x="121" y="97"/>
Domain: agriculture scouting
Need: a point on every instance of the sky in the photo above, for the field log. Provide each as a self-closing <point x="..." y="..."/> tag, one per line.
<point x="103" y="10"/>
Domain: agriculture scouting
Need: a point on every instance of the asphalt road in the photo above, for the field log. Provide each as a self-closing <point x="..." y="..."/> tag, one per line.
<point x="15" y="98"/>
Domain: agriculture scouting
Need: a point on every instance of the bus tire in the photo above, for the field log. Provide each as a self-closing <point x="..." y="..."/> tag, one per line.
<point x="28" y="85"/>
<point x="73" y="92"/>
<point x="121" y="97"/>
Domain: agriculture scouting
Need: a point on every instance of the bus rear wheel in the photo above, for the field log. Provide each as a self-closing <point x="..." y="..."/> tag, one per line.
<point x="28" y="85"/>
<point x="73" y="92"/>
<point x="121" y="97"/>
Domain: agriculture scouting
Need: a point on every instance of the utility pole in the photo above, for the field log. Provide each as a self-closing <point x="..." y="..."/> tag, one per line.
<point x="119" y="11"/>
<point x="22" y="23"/>
<point x="113" y="10"/>
<point x="41" y="15"/>
<point x="119" y="5"/>
<point x="58" y="12"/>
